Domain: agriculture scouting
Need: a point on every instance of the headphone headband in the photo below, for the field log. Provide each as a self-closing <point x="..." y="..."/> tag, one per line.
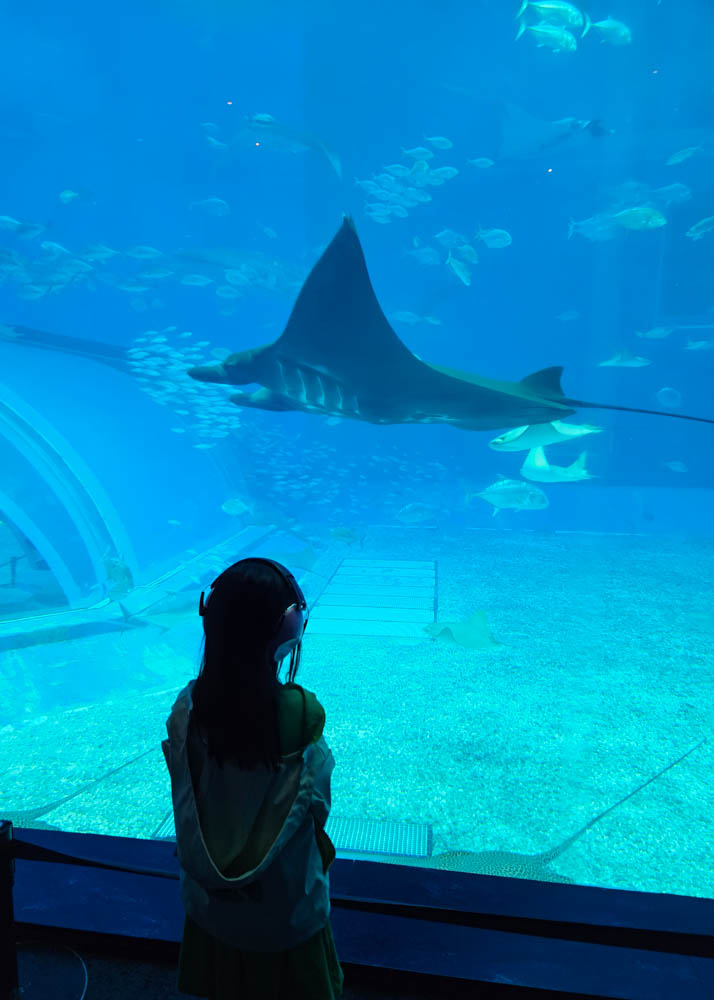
<point x="287" y="633"/>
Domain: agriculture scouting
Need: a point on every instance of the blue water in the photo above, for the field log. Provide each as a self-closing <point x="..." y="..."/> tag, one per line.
<point x="109" y="105"/>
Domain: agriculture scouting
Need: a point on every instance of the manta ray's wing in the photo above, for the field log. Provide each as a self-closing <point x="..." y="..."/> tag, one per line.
<point x="338" y="324"/>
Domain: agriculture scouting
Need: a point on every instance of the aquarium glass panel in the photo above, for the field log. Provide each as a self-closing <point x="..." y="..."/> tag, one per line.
<point x="415" y="300"/>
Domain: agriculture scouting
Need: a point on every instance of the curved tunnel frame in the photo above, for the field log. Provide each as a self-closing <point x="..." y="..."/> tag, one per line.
<point x="76" y="488"/>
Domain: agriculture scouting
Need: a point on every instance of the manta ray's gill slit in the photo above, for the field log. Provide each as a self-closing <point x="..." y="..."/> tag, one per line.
<point x="284" y="382"/>
<point x="334" y="394"/>
<point x="315" y="388"/>
<point x="302" y="386"/>
<point x="293" y="385"/>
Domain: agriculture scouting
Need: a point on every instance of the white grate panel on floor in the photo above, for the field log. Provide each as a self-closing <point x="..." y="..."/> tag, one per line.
<point x="380" y="601"/>
<point x="376" y="589"/>
<point x="388" y="563"/>
<point x="375" y="837"/>
<point x="377" y="597"/>
<point x="372" y="614"/>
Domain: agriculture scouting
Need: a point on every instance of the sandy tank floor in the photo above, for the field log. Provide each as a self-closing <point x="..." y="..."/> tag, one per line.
<point x="601" y="676"/>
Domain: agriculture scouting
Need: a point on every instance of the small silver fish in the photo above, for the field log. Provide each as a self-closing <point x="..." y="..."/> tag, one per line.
<point x="612" y="31"/>
<point x="466" y="252"/>
<point x="681" y="155"/>
<point x="419" y="153"/>
<point x="623" y="359"/>
<point x="656" y="333"/>
<point x="235" y="507"/>
<point x="701" y="228"/>
<point x="370" y="187"/>
<point x="212" y="206"/>
<point x="443" y="173"/>
<point x="557" y="12"/>
<point x="416" y="513"/>
<point x="404" y="316"/>
<point x="495" y="238"/>
<point x="459" y="268"/>
<point x="450" y="238"/>
<point x="197" y="280"/>
<point x="397" y="170"/>
<point x="426" y="255"/>
<point x="439" y="141"/>
<point x="144" y="253"/>
<point x="549" y="36"/>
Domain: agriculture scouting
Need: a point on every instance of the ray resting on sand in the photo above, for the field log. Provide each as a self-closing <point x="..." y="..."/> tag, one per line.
<point x="473" y="633"/>
<point x="31" y="817"/>
<point x="532" y="866"/>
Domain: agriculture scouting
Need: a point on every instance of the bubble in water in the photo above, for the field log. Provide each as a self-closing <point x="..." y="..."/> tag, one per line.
<point x="671" y="398"/>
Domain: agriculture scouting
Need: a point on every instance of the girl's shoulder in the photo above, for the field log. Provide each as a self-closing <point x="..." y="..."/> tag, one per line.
<point x="290" y="713"/>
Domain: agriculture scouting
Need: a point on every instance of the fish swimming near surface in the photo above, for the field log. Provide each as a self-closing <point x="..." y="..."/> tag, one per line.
<point x="339" y="357"/>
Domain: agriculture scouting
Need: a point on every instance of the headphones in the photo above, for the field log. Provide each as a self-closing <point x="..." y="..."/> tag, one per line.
<point x="286" y="635"/>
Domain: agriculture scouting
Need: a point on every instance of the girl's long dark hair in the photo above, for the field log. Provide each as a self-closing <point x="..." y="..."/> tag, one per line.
<point x="235" y="695"/>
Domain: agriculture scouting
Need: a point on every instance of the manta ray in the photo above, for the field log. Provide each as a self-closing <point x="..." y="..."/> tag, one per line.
<point x="338" y="356"/>
<point x="31" y="817"/>
<point x="531" y="866"/>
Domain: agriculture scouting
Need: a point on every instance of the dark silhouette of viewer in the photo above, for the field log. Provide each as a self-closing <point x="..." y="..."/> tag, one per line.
<point x="250" y="782"/>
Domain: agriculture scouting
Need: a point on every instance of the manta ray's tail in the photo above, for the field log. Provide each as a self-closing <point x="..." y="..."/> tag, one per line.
<point x="547" y="384"/>
<point x="634" y="409"/>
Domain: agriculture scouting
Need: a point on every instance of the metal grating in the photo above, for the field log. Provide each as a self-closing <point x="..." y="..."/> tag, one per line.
<point x="380" y="597"/>
<point x="360" y="836"/>
<point x="373" y="837"/>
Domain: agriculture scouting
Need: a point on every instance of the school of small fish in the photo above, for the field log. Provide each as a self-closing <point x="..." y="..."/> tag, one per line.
<point x="401" y="186"/>
<point x="159" y="360"/>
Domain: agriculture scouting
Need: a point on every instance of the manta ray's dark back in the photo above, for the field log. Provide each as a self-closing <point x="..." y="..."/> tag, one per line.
<point x="337" y="316"/>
